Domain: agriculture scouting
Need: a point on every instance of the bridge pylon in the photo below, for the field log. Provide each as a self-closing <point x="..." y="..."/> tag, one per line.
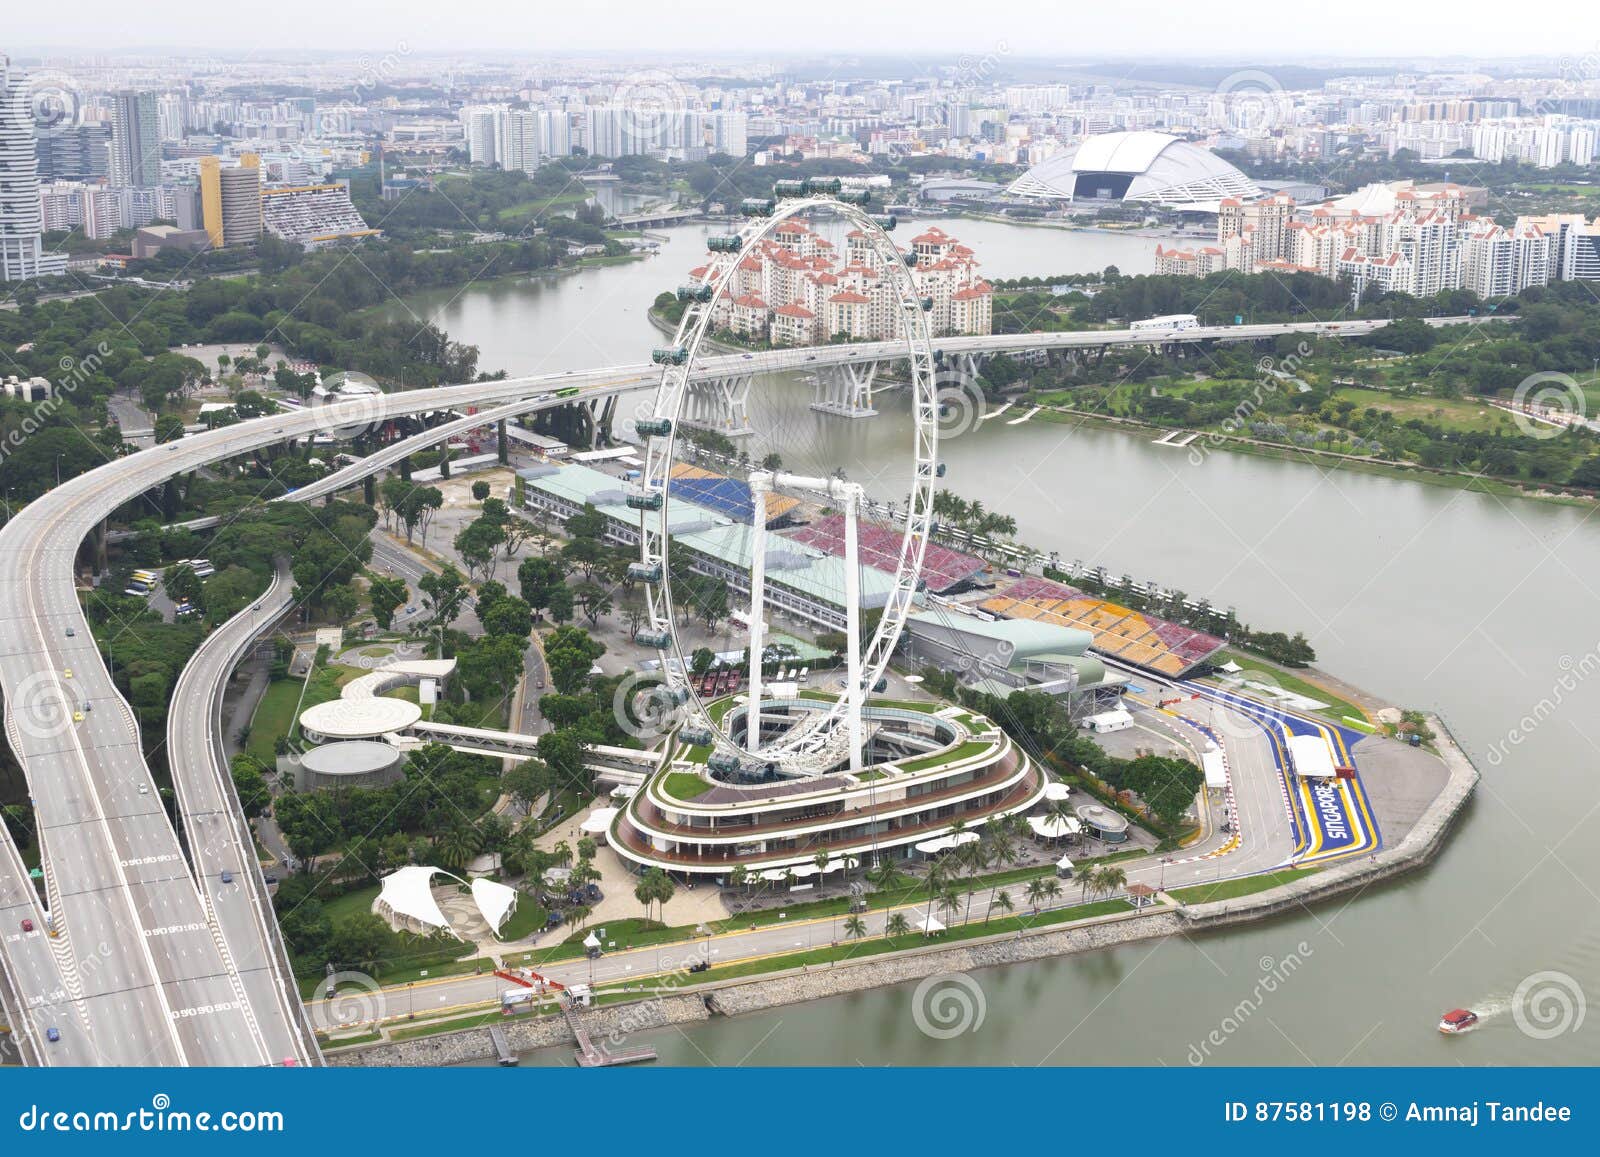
<point x="846" y="390"/>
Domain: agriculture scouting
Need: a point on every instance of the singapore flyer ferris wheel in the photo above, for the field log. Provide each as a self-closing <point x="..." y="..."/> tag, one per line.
<point x="831" y="737"/>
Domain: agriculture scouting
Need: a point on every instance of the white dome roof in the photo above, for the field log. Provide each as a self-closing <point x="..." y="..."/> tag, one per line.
<point x="1136" y="166"/>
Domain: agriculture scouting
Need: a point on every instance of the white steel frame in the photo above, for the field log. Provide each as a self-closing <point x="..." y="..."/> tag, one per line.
<point x="812" y="747"/>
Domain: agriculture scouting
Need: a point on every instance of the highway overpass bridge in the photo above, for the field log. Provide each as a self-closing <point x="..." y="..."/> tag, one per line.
<point x="145" y="970"/>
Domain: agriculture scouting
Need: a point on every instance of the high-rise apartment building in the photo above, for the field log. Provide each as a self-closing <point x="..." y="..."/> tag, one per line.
<point x="523" y="133"/>
<point x="22" y="251"/>
<point x="135" y="140"/>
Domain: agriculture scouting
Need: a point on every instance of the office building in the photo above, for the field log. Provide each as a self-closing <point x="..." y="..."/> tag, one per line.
<point x="75" y="153"/>
<point x="135" y="140"/>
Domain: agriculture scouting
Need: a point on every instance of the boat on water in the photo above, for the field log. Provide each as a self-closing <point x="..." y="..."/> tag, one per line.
<point x="1457" y="1020"/>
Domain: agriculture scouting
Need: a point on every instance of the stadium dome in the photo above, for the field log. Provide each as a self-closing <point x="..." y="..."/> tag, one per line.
<point x="1136" y="166"/>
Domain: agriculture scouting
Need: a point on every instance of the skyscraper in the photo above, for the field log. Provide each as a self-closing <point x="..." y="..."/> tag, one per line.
<point x="22" y="252"/>
<point x="135" y="140"/>
<point x="230" y="200"/>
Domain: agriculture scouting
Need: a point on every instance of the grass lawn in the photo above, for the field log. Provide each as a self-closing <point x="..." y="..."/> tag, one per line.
<point x="970" y="748"/>
<point x="685" y="785"/>
<point x="526" y="920"/>
<point x="1336" y="708"/>
<point x="878" y="945"/>
<point x="1466" y="416"/>
<point x="1243" y="886"/>
<point x="273" y="717"/>
<point x="404" y="956"/>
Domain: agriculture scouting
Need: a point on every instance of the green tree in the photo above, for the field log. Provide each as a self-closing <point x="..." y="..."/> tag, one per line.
<point x="569" y="653"/>
<point x="387" y="595"/>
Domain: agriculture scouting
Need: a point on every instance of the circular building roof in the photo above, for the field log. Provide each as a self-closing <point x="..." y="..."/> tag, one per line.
<point x="1136" y="166"/>
<point x="1102" y="819"/>
<point x="359" y="718"/>
<point x="350" y="757"/>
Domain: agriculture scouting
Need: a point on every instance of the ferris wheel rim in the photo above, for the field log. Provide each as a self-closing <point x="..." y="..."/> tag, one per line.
<point x="667" y="403"/>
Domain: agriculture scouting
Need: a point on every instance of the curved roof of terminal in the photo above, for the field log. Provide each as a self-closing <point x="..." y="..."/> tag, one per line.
<point x="359" y="718"/>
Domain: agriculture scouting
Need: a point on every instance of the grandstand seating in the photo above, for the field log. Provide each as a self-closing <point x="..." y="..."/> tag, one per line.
<point x="942" y="568"/>
<point x="727" y="496"/>
<point x="1131" y="636"/>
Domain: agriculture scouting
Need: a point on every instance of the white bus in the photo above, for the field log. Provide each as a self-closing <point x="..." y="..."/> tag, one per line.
<point x="1172" y="321"/>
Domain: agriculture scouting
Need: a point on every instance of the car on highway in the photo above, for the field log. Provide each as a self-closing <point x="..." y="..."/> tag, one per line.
<point x="71" y="632"/>
<point x="77" y="716"/>
<point x="52" y="1034"/>
<point x="27" y="925"/>
<point x="68" y="672"/>
<point x="144" y="789"/>
<point x="227" y="876"/>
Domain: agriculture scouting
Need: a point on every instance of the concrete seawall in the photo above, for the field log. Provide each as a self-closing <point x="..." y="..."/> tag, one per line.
<point x="615" y="1023"/>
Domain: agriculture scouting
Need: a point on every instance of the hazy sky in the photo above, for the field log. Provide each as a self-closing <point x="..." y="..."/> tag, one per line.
<point x="1230" y="29"/>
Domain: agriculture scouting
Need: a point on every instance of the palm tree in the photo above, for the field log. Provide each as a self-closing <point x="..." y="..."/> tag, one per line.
<point x="1035" y="893"/>
<point x="897" y="925"/>
<point x="821" y="861"/>
<point x="739" y="877"/>
<point x="644" y="892"/>
<point x="457" y="845"/>
<point x="1112" y="880"/>
<point x="1052" y="888"/>
<point x="1088" y="881"/>
<point x="1000" y="900"/>
<point x="855" y="927"/>
<point x="949" y="903"/>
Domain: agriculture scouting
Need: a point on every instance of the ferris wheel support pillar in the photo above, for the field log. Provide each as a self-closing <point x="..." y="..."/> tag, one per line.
<point x="760" y="485"/>
<point x="852" y="628"/>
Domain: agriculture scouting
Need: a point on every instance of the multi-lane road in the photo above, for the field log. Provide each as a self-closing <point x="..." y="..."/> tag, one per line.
<point x="218" y="834"/>
<point x="144" y="971"/>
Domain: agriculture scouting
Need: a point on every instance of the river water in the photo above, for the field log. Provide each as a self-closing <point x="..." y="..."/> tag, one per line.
<point x="1479" y="607"/>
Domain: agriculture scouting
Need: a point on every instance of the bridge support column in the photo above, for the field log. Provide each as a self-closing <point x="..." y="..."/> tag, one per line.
<point x="846" y="390"/>
<point x="721" y="405"/>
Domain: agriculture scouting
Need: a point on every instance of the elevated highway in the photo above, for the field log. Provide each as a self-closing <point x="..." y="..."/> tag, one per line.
<point x="151" y="972"/>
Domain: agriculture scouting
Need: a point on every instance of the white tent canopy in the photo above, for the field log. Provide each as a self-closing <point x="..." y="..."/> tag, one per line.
<point x="598" y="822"/>
<point x="591" y="941"/>
<point x="1054" y="827"/>
<point x="944" y="843"/>
<point x="928" y="925"/>
<point x="1054" y="791"/>
<point x="1311" y="756"/>
<point x="408" y="895"/>
<point x="495" y="902"/>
